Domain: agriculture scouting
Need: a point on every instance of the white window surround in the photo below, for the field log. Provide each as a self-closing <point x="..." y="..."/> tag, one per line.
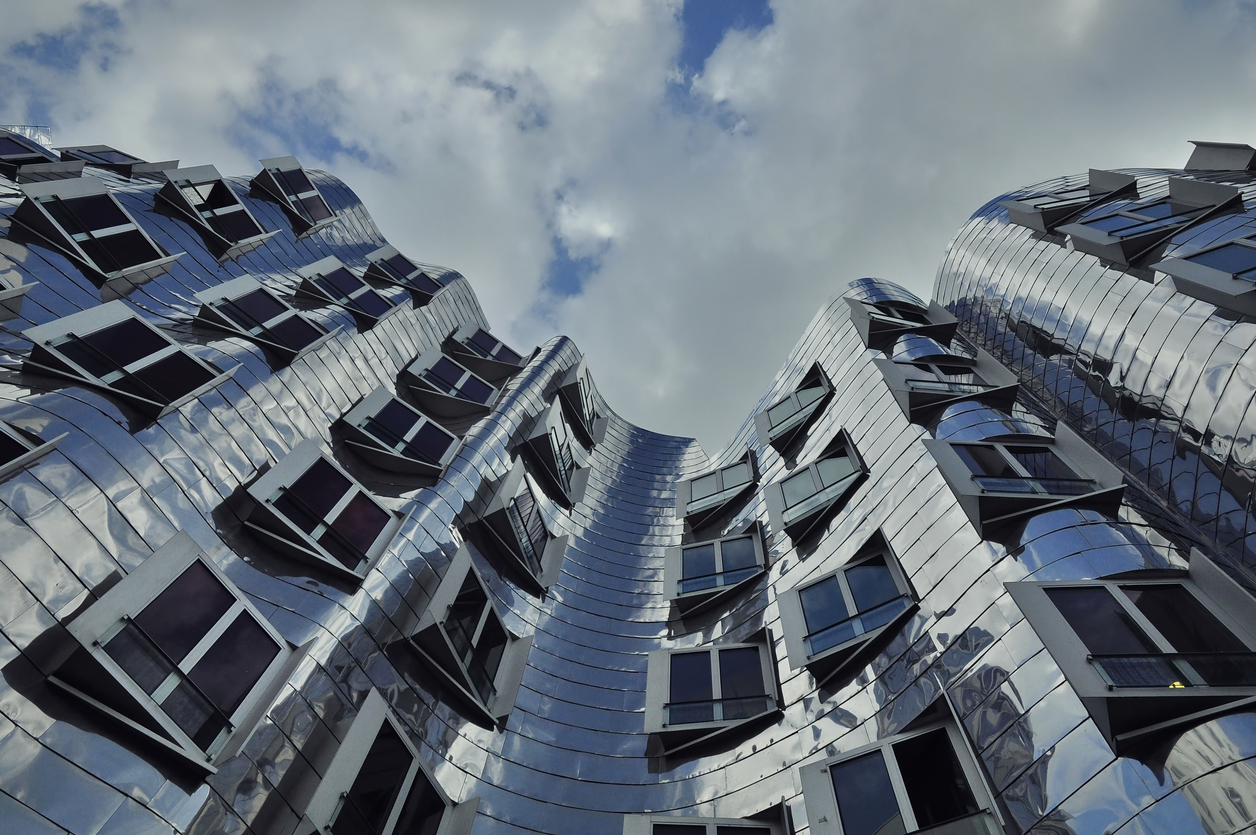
<point x="923" y="392"/>
<point x="477" y="349"/>
<point x="705" y="497"/>
<point x="1044" y="211"/>
<point x="550" y="448"/>
<point x="694" y="594"/>
<point x="578" y="395"/>
<point x="376" y="442"/>
<point x="328" y="799"/>
<point x="95" y="627"/>
<point x="54" y="340"/>
<point x="231" y="227"/>
<point x="217" y="307"/>
<point x="445" y="388"/>
<point x="273" y="525"/>
<point x="285" y="180"/>
<point x="833" y="475"/>
<point x="880" y="329"/>
<point x="787" y="420"/>
<point x="644" y="825"/>
<point x="388" y="266"/>
<point x="328" y="281"/>
<point x="26" y="446"/>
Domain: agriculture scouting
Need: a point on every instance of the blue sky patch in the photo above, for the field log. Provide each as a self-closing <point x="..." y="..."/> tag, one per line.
<point x="300" y="120"/>
<point x="565" y="276"/>
<point x="63" y="50"/>
<point x="705" y="22"/>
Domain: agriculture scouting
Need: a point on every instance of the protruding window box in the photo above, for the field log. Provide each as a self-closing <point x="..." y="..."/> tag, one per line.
<point x="327" y="281"/>
<point x="576" y="393"/>
<point x="246" y="308"/>
<point x="177" y="654"/>
<point x="1149" y="651"/>
<point x="709" y="497"/>
<point x="461" y="639"/>
<point x="283" y="179"/>
<point x="377" y="783"/>
<point x="1224" y="275"/>
<point x="926" y="385"/>
<point x="1044" y="212"/>
<point x="512" y="532"/>
<point x="82" y="220"/>
<point x="446" y="388"/>
<point x="20" y="448"/>
<point x="1221" y="156"/>
<point x="786" y="422"/>
<point x="688" y="824"/>
<point x="549" y="447"/>
<point x="392" y="435"/>
<point x="700" y="575"/>
<point x="110" y="348"/>
<point x="11" y="297"/>
<point x="831" y="623"/>
<point x="390" y="267"/>
<point x="1131" y="230"/>
<point x="696" y="696"/>
<point x="111" y="159"/>
<point x="24" y="160"/>
<point x="200" y="196"/>
<point x="880" y="324"/>
<point x="308" y="508"/>
<point x="1002" y="480"/>
<point x="483" y="353"/>
<point x="801" y="502"/>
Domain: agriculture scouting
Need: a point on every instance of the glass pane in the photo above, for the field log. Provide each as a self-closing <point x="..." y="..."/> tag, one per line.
<point x="677" y="829"/>
<point x="372" y="303"/>
<point x="691" y="677"/>
<point x="120" y="250"/>
<point x="316" y="208"/>
<point x="168" y="379"/>
<point x="235" y="663"/>
<point x="1155" y="210"/>
<point x="185" y="611"/>
<point x="465" y="613"/>
<point x="984" y="460"/>
<point x="482" y="344"/>
<point x="933" y="778"/>
<point x="736" y="474"/>
<point x="88" y="213"/>
<point x="139" y="658"/>
<point x="114" y="347"/>
<point x="9" y="147"/>
<point x="294" y="181"/>
<point x="741" y="674"/>
<point x="742" y="830"/>
<point x="431" y="442"/>
<point x="320" y="488"/>
<point x="374" y="792"/>
<point x="234" y="226"/>
<point x="737" y="553"/>
<point x="476" y="389"/>
<point x="702" y="487"/>
<point x="490" y="647"/>
<point x="1182" y="619"/>
<point x="1040" y="462"/>
<point x="781" y="412"/>
<point x="865" y="796"/>
<point x="1231" y="258"/>
<point x="533" y="524"/>
<point x="1100" y="621"/>
<point x="253" y="309"/>
<point x="393" y="422"/>
<point x="340" y="283"/>
<point x="294" y="333"/>
<point x="1115" y="223"/>
<point x="194" y="715"/>
<point x="871" y="584"/>
<point x="823" y="605"/>
<point x="422" y="811"/>
<point x="400" y="266"/>
<point x="698" y="561"/>
<point x="10" y="448"/>
<point x="444" y="375"/>
<point x="798" y="488"/>
<point x="359" y="525"/>
<point x="833" y="470"/>
<point x="810" y="395"/>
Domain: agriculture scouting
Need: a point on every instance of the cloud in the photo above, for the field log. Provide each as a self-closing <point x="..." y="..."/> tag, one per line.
<point x="681" y="227"/>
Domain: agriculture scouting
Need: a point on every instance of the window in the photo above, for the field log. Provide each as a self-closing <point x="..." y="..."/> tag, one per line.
<point x="483" y="353"/>
<point x="1044" y="212"/>
<point x="446" y="388"/>
<point x="245" y="308"/>
<point x="699" y="574"/>
<point x="285" y="181"/>
<point x="703" y="499"/>
<point x="880" y="324"/>
<point x="111" y="348"/>
<point x="1125" y="231"/>
<point x="19" y="448"/>
<point x="1223" y="275"/>
<point x="202" y="196"/>
<point x="787" y="420"/>
<point x="927" y="384"/>
<point x="798" y="503"/>
<point x="111" y="159"/>
<point x="923" y="780"/>
<point x="578" y="398"/>
<point x="23" y="160"/>
<point x="1000" y="482"/>
<point x="311" y="509"/>
<point x="376" y="784"/>
<point x="694" y="695"/>
<point x="829" y="621"/>
<point x="329" y="282"/>
<point x="512" y="530"/>
<point x="1221" y="156"/>
<point x="83" y="220"/>
<point x="394" y="436"/>
<point x="693" y="825"/>
<point x="389" y="266"/>
<point x="188" y="657"/>
<point x="1148" y="650"/>
<point x="549" y="447"/>
<point x="461" y="638"/>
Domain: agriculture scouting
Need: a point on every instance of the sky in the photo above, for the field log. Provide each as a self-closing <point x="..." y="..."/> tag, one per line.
<point x="677" y="186"/>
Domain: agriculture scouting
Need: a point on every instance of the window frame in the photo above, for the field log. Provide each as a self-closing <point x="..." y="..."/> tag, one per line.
<point x="35" y="449"/>
<point x="800" y="526"/>
<point x="787" y="439"/>
<point x="275" y="528"/>
<point x="1212" y="284"/>
<point x="114" y="284"/>
<point x="879" y="331"/>
<point x="173" y="195"/>
<point x="439" y="403"/>
<point x="821" y="799"/>
<point x="998" y="386"/>
<point x="691" y="603"/>
<point x="495" y="371"/>
<point x="38" y="164"/>
<point x="47" y="358"/>
<point x="578" y="396"/>
<point x="1101" y="186"/>
<point x="325" y="803"/>
<point x="644" y="824"/>
<point x="433" y="649"/>
<point x="378" y="270"/>
<point x="310" y="290"/>
<point x="132" y="166"/>
<point x="215" y="297"/>
<point x="377" y="452"/>
<point x="549" y="448"/>
<point x="708" y="512"/>
<point x="1129" y="715"/>
<point x="302" y="223"/>
<point x="495" y="532"/>
<point x="106" y="615"/>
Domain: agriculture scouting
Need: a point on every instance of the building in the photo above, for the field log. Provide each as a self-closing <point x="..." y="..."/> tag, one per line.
<point x="294" y="544"/>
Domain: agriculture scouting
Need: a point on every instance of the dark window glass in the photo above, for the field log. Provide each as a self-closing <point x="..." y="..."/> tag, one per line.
<point x="140" y="658"/>
<point x="431" y="443"/>
<point x="1115" y="223"/>
<point x="1040" y="462"/>
<point x="234" y="226"/>
<point x="422" y="811"/>
<point x="374" y="792"/>
<point x="253" y="309"/>
<point x="490" y="647"/>
<point x="533" y="525"/>
<point x="698" y="561"/>
<point x="1231" y="258"/>
<point x="465" y="613"/>
<point x="871" y="584"/>
<point x="194" y="714"/>
<point x="477" y="390"/>
<point x="166" y="380"/>
<point x="120" y="250"/>
<point x="1154" y="211"/>
<point x="444" y="375"/>
<point x="81" y="214"/>
<point x="738" y="553"/>
<point x="372" y="303"/>
<point x="865" y="796"/>
<point x="482" y="344"/>
<point x="691" y="677"/>
<point x="178" y="618"/>
<point x="394" y="420"/>
<point x="111" y="156"/>
<point x="294" y="333"/>
<point x="1184" y="622"/>
<point x="10" y="448"/>
<point x="823" y="604"/>
<point x="933" y="778"/>
<point x="312" y="496"/>
<point x="1100" y="621"/>
<point x="354" y="530"/>
<point x="9" y="147"/>
<point x="112" y="348"/>
<point x="400" y="266"/>
<point x="984" y="460"/>
<point x="294" y="181"/>
<point x="742" y="830"/>
<point x="316" y="208"/>
<point x="677" y="829"/>
<point x="235" y="663"/>
<point x="741" y="674"/>
<point x="339" y="283"/>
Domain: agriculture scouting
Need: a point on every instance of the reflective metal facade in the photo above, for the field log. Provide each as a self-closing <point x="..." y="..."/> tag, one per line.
<point x="573" y="756"/>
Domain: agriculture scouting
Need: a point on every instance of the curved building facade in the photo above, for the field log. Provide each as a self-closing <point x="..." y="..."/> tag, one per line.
<point x="293" y="544"/>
